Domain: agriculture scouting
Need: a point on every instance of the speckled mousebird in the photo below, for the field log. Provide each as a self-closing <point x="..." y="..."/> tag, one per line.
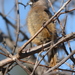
<point x="37" y="16"/>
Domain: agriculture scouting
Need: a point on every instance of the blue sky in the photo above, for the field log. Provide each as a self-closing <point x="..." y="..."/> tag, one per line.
<point x="8" y="5"/>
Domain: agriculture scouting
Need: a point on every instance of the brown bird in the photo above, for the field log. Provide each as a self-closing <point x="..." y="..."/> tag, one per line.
<point x="37" y="16"/>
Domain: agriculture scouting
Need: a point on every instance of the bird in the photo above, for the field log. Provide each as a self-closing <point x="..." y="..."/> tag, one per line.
<point x="37" y="16"/>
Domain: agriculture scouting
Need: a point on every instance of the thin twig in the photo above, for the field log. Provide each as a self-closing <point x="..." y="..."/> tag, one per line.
<point x="66" y="11"/>
<point x="22" y="4"/>
<point x="24" y="67"/>
<point x="3" y="54"/>
<point x="6" y="51"/>
<point x="17" y="25"/>
<point x="51" y="6"/>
